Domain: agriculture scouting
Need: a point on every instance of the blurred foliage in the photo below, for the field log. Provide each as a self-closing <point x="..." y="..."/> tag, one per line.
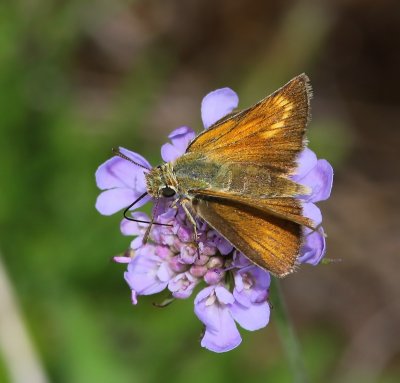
<point x="56" y="129"/>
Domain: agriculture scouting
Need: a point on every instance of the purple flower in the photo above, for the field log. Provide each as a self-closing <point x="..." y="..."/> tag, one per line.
<point x="182" y="285"/>
<point x="121" y="181"/>
<point x="318" y="176"/>
<point x="148" y="273"/>
<point x="212" y="307"/>
<point x="236" y="291"/>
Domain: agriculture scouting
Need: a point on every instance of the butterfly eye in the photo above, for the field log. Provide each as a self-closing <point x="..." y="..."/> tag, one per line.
<point x="168" y="192"/>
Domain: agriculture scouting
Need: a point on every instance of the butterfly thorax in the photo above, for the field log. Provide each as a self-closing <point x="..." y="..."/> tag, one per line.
<point x="161" y="181"/>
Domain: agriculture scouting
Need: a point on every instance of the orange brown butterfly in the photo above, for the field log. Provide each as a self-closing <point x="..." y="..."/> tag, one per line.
<point x="236" y="176"/>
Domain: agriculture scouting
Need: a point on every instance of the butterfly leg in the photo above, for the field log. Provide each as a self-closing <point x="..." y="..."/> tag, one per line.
<point x="190" y="217"/>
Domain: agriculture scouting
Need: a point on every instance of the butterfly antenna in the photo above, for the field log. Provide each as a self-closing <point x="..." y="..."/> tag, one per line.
<point x="119" y="154"/>
<point x="139" y="220"/>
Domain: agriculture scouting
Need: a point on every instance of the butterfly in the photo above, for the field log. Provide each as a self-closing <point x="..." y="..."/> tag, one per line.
<point x="236" y="176"/>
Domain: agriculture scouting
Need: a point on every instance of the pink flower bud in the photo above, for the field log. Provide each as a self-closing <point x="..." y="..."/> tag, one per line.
<point x="214" y="276"/>
<point x="176" y="265"/>
<point x="202" y="260"/>
<point x="198" y="271"/>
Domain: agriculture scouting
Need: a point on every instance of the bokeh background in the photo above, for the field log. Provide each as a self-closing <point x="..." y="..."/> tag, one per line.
<point x="78" y="78"/>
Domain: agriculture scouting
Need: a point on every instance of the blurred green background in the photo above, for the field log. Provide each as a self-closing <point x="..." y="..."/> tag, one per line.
<point x="78" y="78"/>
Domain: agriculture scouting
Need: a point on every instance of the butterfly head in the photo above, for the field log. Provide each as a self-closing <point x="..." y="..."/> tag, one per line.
<point x="161" y="181"/>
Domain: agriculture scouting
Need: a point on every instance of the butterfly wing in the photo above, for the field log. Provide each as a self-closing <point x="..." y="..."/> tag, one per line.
<point x="269" y="134"/>
<point x="288" y="208"/>
<point x="268" y="241"/>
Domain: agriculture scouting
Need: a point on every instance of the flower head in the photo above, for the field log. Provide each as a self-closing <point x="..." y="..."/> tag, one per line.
<point x="233" y="290"/>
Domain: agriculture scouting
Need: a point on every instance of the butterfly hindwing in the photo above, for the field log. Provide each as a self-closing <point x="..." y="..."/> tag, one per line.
<point x="268" y="241"/>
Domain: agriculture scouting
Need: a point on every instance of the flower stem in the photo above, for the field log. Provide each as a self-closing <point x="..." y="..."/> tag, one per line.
<point x="287" y="334"/>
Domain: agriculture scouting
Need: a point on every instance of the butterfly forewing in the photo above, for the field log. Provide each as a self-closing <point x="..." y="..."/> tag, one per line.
<point x="270" y="134"/>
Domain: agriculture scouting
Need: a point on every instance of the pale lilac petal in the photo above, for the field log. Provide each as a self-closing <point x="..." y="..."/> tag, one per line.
<point x="169" y="152"/>
<point x="313" y="248"/>
<point x="165" y="273"/>
<point x="223" y="295"/>
<point x="182" y="285"/>
<point x="120" y="173"/>
<point x="313" y="212"/>
<point x="222" y="244"/>
<point x="306" y="161"/>
<point x="240" y="260"/>
<point x="221" y="333"/>
<point x="122" y="259"/>
<point x="251" y="285"/>
<point x="203" y="294"/>
<point x="253" y="317"/>
<point x="112" y="200"/>
<point x="218" y="104"/>
<point x="224" y="339"/>
<point x="137" y="243"/>
<point x="319" y="179"/>
<point x="135" y="228"/>
<point x="180" y="139"/>
<point x="142" y="275"/>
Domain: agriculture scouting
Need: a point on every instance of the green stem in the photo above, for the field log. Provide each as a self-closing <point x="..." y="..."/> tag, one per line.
<point x="286" y="333"/>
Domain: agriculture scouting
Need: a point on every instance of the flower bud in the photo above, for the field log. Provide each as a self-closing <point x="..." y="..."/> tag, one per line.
<point x="198" y="271"/>
<point x="215" y="262"/>
<point x="188" y="254"/>
<point x="164" y="252"/>
<point x="202" y="260"/>
<point x="176" y="265"/>
<point x="214" y="276"/>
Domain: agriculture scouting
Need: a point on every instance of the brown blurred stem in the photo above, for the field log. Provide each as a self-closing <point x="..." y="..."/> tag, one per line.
<point x="286" y="333"/>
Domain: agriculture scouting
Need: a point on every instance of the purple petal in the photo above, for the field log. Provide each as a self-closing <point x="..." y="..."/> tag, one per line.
<point x="220" y="242"/>
<point x="137" y="243"/>
<point x="112" y="200"/>
<point x="223" y="295"/>
<point x="224" y="339"/>
<point x="134" y="228"/>
<point x="165" y="273"/>
<point x="253" y="317"/>
<point x="203" y="294"/>
<point x="251" y="285"/>
<point x="142" y="275"/>
<point x="221" y="333"/>
<point x="120" y="173"/>
<point x="218" y="104"/>
<point x="182" y="285"/>
<point x="313" y="212"/>
<point x="180" y="139"/>
<point x="306" y="161"/>
<point x="319" y="179"/>
<point x="206" y="304"/>
<point x="169" y="152"/>
<point x="121" y="259"/>
<point x="313" y="248"/>
<point x="240" y="260"/>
